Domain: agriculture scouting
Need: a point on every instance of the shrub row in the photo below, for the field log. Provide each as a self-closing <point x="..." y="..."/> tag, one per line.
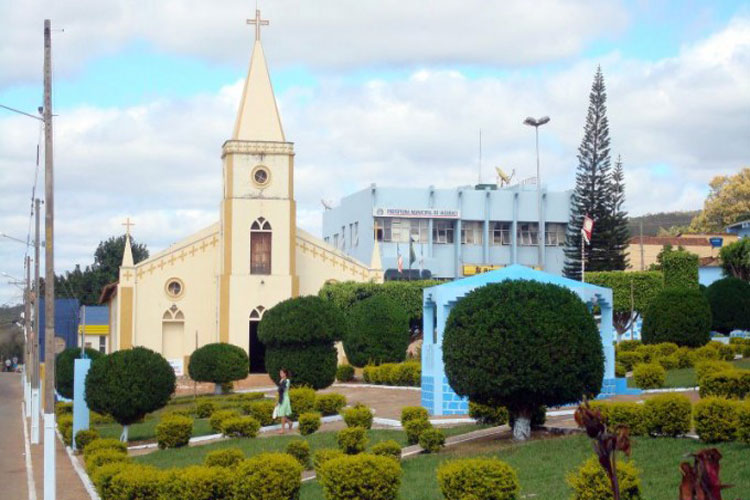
<point x="728" y="382"/>
<point x="408" y="373"/>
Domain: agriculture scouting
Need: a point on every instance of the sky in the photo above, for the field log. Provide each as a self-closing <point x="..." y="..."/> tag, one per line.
<point x="386" y="92"/>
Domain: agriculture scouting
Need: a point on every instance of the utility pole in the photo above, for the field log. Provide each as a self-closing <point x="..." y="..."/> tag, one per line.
<point x="643" y="264"/>
<point x="49" y="277"/>
<point x="35" y="343"/>
<point x="27" y="335"/>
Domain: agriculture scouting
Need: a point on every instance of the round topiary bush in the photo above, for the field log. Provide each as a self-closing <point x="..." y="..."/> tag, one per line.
<point x="480" y="478"/>
<point x="378" y="332"/>
<point x="679" y="315"/>
<point x="84" y="437"/>
<point x="364" y="477"/>
<point x="196" y="482"/>
<point x="268" y="476"/>
<point x="413" y="413"/>
<point x="345" y="373"/>
<point x="218" y="363"/>
<point x="431" y="440"/>
<point x="352" y="440"/>
<point x="730" y="304"/>
<point x="668" y="415"/>
<point x="329" y="404"/>
<point x="174" y="431"/>
<point x="224" y="458"/>
<point x="716" y="419"/>
<point x="488" y="415"/>
<point x="522" y="344"/>
<point x="309" y="423"/>
<point x="299" y="334"/>
<point x="358" y="416"/>
<point x="649" y="375"/>
<point x="388" y="448"/>
<point x="590" y="482"/>
<point x="128" y="384"/>
<point x="323" y="455"/>
<point x="300" y="450"/>
<point x="64" y="368"/>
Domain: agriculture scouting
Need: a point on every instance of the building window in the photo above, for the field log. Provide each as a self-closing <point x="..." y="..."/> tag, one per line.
<point x="471" y="233"/>
<point x="327" y="239"/>
<point x="500" y="233"/>
<point x="174" y="288"/>
<point x="260" y="247"/>
<point x="343" y="237"/>
<point x="554" y="234"/>
<point x="528" y="233"/>
<point x="355" y="241"/>
<point x="442" y="232"/>
<point x="260" y="175"/>
<point x="395" y="230"/>
<point x="336" y="240"/>
<point x="103" y="344"/>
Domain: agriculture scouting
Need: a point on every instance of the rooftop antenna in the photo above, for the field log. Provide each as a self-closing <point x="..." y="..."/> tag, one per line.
<point x="480" y="157"/>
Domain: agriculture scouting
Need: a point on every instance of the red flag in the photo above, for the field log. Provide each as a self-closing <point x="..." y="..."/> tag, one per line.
<point x="400" y="260"/>
<point x="588" y="228"/>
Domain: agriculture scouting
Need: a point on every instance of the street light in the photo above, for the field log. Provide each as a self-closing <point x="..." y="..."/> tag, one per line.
<point x="536" y="123"/>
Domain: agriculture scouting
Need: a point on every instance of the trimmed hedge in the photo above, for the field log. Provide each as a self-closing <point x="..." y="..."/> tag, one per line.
<point x="729" y="383"/>
<point x="628" y="345"/>
<point x="104" y="444"/>
<point x="139" y="482"/>
<point x="358" y="416"/>
<point x="102" y="476"/>
<point x="197" y="482"/>
<point x="488" y="415"/>
<point x="680" y="269"/>
<point x="413" y="413"/>
<point x="323" y="455"/>
<point x="730" y="304"/>
<point x="219" y="363"/>
<point x="415" y="428"/>
<point x="408" y="373"/>
<point x="174" y="431"/>
<point x="478" y="478"/>
<point x="205" y="409"/>
<point x="246" y="427"/>
<point x="623" y="414"/>
<point x="309" y="423"/>
<point x="84" y="437"/>
<point x="590" y="482"/>
<point x="629" y="359"/>
<point x="312" y="366"/>
<point x="345" y="373"/>
<point x="64" y="369"/>
<point x="715" y="419"/>
<point x="743" y="422"/>
<point x="217" y="419"/>
<point x="649" y="375"/>
<point x="704" y="368"/>
<point x="224" y="458"/>
<point x="352" y="440"/>
<point x="431" y="440"/>
<point x="329" y="404"/>
<point x="65" y="426"/>
<point x="300" y="450"/>
<point x="388" y="448"/>
<point x="262" y="411"/>
<point x="105" y="456"/>
<point x="668" y="415"/>
<point x="378" y="332"/>
<point x="268" y="476"/>
<point x="302" y="400"/>
<point x="361" y="477"/>
<point x="679" y="315"/>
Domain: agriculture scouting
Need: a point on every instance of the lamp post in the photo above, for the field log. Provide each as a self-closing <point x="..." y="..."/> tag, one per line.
<point x="536" y="123"/>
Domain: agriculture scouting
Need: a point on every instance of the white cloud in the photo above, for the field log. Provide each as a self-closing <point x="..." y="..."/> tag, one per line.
<point x="159" y="162"/>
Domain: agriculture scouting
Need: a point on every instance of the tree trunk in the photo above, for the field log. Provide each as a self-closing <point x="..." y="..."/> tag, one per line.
<point x="124" y="435"/>
<point x="522" y="426"/>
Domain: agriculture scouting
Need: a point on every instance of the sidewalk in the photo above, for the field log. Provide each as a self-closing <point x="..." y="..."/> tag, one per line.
<point x="12" y="459"/>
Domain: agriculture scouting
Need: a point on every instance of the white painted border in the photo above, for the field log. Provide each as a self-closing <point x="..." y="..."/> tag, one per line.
<point x="30" y="484"/>
<point x="82" y="475"/>
<point x="376" y="386"/>
<point x="670" y="389"/>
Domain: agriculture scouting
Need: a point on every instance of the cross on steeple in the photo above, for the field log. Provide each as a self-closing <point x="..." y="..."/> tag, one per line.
<point x="258" y="22"/>
<point x="127" y="225"/>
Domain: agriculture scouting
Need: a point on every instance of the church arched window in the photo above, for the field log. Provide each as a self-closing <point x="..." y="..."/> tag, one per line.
<point x="260" y="247"/>
<point x="257" y="313"/>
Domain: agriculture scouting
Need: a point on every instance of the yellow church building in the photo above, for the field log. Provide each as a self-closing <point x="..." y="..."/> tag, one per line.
<point x="214" y="285"/>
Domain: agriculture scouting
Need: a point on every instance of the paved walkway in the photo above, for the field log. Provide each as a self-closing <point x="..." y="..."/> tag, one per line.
<point x="13" y="477"/>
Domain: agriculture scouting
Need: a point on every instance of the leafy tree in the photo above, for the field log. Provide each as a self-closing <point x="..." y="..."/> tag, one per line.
<point x="679" y="315"/>
<point x="727" y="202"/>
<point x="620" y="233"/>
<point x="378" y="332"/>
<point x="735" y="259"/>
<point x="86" y="284"/>
<point x="522" y="344"/>
<point x="631" y="293"/>
<point x="65" y="368"/>
<point x="129" y="384"/>
<point x="730" y="304"/>
<point x="218" y="363"/>
<point x="680" y="268"/>
<point x="595" y="196"/>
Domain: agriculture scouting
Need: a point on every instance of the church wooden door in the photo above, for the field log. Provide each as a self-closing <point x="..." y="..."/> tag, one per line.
<point x="172" y="333"/>
<point x="260" y="252"/>
<point x="257" y="350"/>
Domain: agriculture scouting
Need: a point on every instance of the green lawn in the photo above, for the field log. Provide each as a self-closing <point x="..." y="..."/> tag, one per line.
<point x="182" y="457"/>
<point x="543" y="464"/>
<point x="147" y="430"/>
<point x="685" y="377"/>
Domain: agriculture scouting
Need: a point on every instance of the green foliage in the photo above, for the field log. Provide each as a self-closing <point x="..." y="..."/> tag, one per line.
<point x="217" y="418"/>
<point x="246" y="427"/>
<point x="313" y="365"/>
<point x="478" y="478"/>
<point x="129" y="384"/>
<point x="302" y="400"/>
<point x="735" y="259"/>
<point x="667" y="348"/>
<point x="730" y="304"/>
<point x="323" y="455"/>
<point x="361" y="477"/>
<point x="301" y="321"/>
<point x="704" y="368"/>
<point x="309" y="423"/>
<point x="345" y="373"/>
<point x="228" y="457"/>
<point x="205" y="409"/>
<point x="623" y="414"/>
<point x="268" y="476"/>
<point x="631" y="291"/>
<point x="63" y="408"/>
<point x="100" y="457"/>
<point x="629" y="359"/>
<point x="104" y="444"/>
<point x="706" y="352"/>
<point x="431" y="440"/>
<point x="668" y="415"/>
<point x="300" y="450"/>
<point x="352" y="440"/>
<point x="679" y="315"/>
<point x="680" y="269"/>
<point x="358" y="416"/>
<point x="408" y="373"/>
<point x="84" y="437"/>
<point x="522" y="344"/>
<point x="137" y="482"/>
<point x="174" y="431"/>
<point x="388" y="448"/>
<point x="197" y="482"/>
<point x="414" y="428"/>
<point x="329" y="404"/>
<point x="64" y="367"/>
<point x="743" y="422"/>
<point x="669" y="362"/>
<point x="101" y="477"/>
<point x="731" y="383"/>
<point x="491" y="415"/>
<point x="261" y="410"/>
<point x="649" y="353"/>
<point x="685" y="357"/>
<point x="412" y="413"/>
<point x="715" y="419"/>
<point x="590" y="482"/>
<point x="378" y="332"/>
<point x="628" y="345"/>
<point x="65" y="426"/>
<point x="649" y="375"/>
<point x="620" y="370"/>
<point x="218" y="363"/>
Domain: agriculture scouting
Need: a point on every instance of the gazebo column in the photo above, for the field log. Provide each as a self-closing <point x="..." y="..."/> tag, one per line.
<point x="607" y="335"/>
<point x="429" y="360"/>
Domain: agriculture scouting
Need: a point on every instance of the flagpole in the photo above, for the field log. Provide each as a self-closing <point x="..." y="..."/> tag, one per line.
<point x="583" y="256"/>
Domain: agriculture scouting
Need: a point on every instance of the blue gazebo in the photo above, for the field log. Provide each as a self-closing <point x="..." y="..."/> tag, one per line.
<point x="437" y="395"/>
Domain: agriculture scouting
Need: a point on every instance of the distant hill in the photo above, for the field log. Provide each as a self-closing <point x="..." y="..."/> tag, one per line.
<point x="653" y="222"/>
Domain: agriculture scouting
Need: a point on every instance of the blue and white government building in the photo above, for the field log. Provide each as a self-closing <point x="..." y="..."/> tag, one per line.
<point x="455" y="232"/>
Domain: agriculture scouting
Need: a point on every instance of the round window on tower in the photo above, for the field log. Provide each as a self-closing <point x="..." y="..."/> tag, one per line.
<point x="174" y="288"/>
<point x="261" y="175"/>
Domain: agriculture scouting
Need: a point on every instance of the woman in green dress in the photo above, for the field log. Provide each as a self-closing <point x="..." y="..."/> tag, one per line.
<point x="284" y="407"/>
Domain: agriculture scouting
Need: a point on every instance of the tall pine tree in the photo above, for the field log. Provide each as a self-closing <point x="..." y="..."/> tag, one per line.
<point x="620" y="234"/>
<point x="593" y="194"/>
